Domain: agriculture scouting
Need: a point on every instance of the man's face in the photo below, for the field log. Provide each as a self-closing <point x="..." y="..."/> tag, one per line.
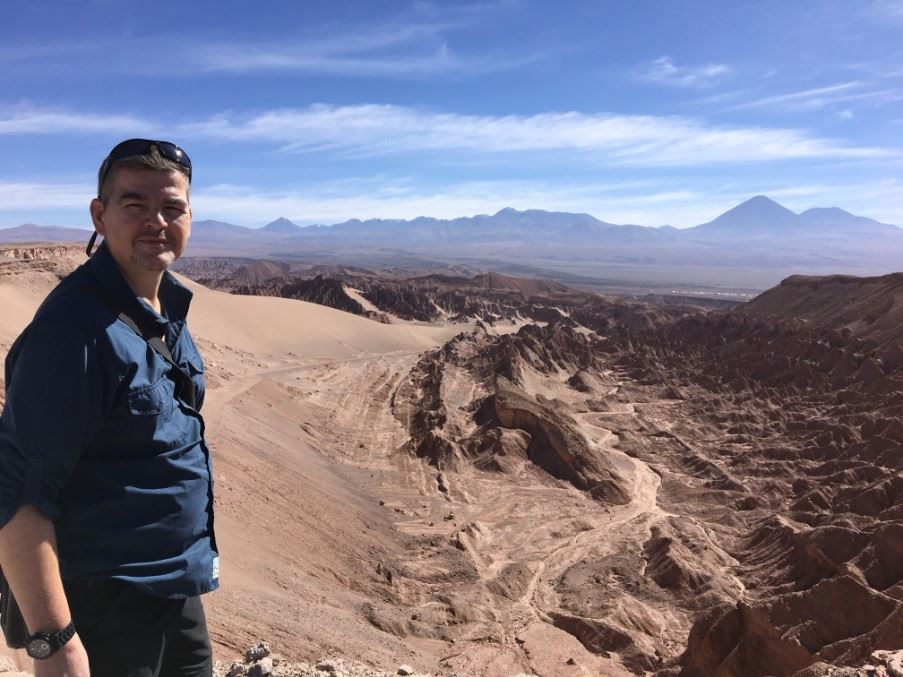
<point x="146" y="220"/>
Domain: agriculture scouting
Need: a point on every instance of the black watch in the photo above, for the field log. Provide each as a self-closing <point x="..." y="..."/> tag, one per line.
<point x="44" y="645"/>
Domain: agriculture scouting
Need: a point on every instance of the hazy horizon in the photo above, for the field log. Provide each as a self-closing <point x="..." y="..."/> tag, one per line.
<point x="259" y="225"/>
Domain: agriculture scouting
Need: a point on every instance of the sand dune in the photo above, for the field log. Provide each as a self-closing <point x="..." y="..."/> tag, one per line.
<point x="273" y="326"/>
<point x="293" y="525"/>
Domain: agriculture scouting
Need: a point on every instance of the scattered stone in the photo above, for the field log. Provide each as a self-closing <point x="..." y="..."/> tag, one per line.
<point x="405" y="670"/>
<point x="442" y="482"/>
<point x="327" y="666"/>
<point x="571" y="661"/>
<point x="258" y="651"/>
<point x="262" y="668"/>
<point x="892" y="661"/>
<point x="236" y="670"/>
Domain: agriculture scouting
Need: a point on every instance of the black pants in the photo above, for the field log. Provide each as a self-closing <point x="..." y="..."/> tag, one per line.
<point x="129" y="633"/>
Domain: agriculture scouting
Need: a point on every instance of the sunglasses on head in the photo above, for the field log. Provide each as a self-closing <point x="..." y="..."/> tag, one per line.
<point x="141" y="147"/>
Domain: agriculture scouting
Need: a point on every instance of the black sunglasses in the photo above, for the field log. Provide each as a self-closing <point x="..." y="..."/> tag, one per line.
<point x="141" y="147"/>
<point x="132" y="147"/>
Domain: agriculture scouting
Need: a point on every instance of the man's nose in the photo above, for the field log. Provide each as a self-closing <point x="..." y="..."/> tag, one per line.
<point x="156" y="218"/>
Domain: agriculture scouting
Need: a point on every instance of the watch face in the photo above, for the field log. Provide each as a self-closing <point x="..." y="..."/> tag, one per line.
<point x="39" y="648"/>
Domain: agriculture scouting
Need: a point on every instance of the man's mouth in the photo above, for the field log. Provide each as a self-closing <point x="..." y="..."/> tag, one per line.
<point x="153" y="240"/>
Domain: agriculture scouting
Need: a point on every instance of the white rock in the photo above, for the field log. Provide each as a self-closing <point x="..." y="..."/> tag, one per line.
<point x="405" y="670"/>
<point x="258" y="651"/>
<point x="892" y="660"/>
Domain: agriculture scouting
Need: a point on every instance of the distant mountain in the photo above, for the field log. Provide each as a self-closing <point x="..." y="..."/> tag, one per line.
<point x="31" y="232"/>
<point x="209" y="228"/>
<point x="757" y="217"/>
<point x="506" y="225"/>
<point x="757" y="240"/>
<point x="837" y="220"/>
<point x="282" y="226"/>
<point x="761" y="218"/>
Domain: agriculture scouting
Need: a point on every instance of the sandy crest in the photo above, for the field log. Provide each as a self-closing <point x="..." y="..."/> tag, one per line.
<point x="268" y="326"/>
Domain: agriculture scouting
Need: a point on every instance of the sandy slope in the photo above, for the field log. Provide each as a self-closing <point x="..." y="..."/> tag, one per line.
<point x="293" y="525"/>
<point x="19" y="298"/>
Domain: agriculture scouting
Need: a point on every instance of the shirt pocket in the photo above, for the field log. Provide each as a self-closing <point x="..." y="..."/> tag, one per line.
<point x="194" y="361"/>
<point x="151" y="400"/>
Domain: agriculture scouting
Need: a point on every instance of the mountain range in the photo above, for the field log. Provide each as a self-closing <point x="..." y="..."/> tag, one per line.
<point x="759" y="236"/>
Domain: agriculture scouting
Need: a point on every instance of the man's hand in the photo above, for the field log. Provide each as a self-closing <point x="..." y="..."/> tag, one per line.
<point x="30" y="563"/>
<point x="70" y="661"/>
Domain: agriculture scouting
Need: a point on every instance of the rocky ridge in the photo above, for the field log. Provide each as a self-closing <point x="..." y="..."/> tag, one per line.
<point x="488" y="297"/>
<point x="804" y="458"/>
<point x="782" y="451"/>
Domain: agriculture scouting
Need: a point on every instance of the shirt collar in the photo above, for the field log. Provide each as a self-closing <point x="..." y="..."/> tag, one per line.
<point x="176" y="298"/>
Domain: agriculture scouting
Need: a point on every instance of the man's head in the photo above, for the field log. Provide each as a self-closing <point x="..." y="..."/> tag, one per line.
<point x="141" y="154"/>
<point x="142" y="207"/>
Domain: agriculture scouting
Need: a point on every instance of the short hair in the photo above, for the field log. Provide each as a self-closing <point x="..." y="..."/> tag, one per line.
<point x="152" y="159"/>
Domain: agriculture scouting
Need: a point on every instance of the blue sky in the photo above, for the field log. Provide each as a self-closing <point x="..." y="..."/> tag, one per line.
<point x="636" y="112"/>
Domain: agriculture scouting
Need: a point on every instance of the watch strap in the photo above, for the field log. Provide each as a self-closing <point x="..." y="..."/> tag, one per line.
<point x="64" y="635"/>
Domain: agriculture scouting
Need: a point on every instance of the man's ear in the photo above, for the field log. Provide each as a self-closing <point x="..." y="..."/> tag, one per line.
<point x="97" y="214"/>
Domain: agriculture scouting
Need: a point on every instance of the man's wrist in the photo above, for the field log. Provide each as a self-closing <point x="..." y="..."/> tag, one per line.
<point x="43" y="645"/>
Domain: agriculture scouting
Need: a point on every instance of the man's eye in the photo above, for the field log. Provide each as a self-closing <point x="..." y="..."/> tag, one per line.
<point x="174" y="210"/>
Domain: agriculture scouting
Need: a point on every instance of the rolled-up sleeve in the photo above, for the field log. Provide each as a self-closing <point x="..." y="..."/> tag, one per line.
<point x="54" y="405"/>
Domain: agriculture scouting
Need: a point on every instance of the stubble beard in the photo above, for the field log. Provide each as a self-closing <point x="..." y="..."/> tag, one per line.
<point x="154" y="263"/>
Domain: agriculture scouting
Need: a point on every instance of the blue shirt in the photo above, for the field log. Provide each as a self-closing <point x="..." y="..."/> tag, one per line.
<point x="94" y="435"/>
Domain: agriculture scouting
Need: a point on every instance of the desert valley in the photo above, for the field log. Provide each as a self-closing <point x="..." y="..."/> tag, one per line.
<point x="492" y="475"/>
<point x="540" y="339"/>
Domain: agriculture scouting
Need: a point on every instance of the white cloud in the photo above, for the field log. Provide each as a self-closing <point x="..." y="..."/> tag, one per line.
<point x="334" y="202"/>
<point x="602" y="138"/>
<point x="821" y="97"/>
<point x="400" y="49"/>
<point x="889" y="9"/>
<point x="412" y="44"/>
<point x="25" y="196"/>
<point x="26" y="119"/>
<point x="663" y="71"/>
<point x="599" y="139"/>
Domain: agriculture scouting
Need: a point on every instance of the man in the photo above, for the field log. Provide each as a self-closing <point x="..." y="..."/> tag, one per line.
<point x="106" y="501"/>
